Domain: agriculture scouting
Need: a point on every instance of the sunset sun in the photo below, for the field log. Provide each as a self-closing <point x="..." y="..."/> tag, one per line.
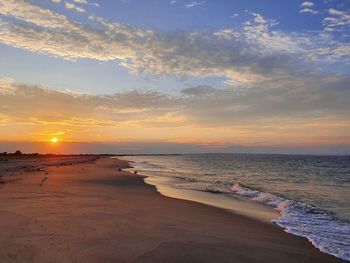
<point x="54" y="140"/>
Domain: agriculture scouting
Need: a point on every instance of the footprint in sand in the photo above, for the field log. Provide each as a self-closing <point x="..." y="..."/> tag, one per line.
<point x="44" y="179"/>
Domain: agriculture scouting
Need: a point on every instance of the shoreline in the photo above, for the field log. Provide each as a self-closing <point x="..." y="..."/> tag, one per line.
<point x="237" y="205"/>
<point x="90" y="212"/>
<point x="321" y="228"/>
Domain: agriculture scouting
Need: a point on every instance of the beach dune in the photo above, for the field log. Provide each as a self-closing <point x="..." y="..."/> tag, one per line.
<point x="91" y="212"/>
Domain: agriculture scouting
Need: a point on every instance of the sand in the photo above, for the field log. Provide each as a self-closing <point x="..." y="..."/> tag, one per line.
<point x="90" y="212"/>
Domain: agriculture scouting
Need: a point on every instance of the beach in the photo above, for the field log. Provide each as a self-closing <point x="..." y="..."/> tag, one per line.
<point x="87" y="210"/>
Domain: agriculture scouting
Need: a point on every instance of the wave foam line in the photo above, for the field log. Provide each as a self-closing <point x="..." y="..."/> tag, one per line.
<point x="328" y="234"/>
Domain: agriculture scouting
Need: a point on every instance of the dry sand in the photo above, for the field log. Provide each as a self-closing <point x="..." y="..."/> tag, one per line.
<point x="93" y="213"/>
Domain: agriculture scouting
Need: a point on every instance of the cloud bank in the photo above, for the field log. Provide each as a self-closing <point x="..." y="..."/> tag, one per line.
<point x="307" y="113"/>
<point x="251" y="54"/>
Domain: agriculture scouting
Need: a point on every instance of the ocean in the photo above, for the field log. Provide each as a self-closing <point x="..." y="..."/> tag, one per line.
<point x="310" y="193"/>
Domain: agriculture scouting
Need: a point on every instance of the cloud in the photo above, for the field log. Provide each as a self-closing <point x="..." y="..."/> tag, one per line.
<point x="72" y="6"/>
<point x="139" y="51"/>
<point x="260" y="35"/>
<point x="227" y="33"/>
<point x="194" y="4"/>
<point x="306" y="7"/>
<point x="307" y="4"/>
<point x="308" y="10"/>
<point x="26" y="102"/>
<point x="296" y="111"/>
<point x="7" y="87"/>
<point x="25" y="11"/>
<point x="337" y="21"/>
<point x="81" y="1"/>
<point x="255" y="53"/>
<point x="86" y="2"/>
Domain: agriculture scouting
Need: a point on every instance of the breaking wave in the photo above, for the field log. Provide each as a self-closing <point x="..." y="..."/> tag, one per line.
<point x="322" y="229"/>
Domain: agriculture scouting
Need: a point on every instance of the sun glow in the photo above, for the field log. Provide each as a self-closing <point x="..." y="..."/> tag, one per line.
<point x="54" y="140"/>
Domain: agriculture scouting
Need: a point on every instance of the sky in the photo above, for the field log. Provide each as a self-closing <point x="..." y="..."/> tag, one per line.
<point x="175" y="76"/>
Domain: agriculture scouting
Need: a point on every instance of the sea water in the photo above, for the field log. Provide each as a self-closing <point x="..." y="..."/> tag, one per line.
<point x="310" y="193"/>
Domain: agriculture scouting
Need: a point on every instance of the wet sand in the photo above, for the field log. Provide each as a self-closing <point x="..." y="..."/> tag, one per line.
<point x="90" y="212"/>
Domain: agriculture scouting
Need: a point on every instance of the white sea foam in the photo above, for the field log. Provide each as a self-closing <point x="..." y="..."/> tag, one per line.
<point x="325" y="232"/>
